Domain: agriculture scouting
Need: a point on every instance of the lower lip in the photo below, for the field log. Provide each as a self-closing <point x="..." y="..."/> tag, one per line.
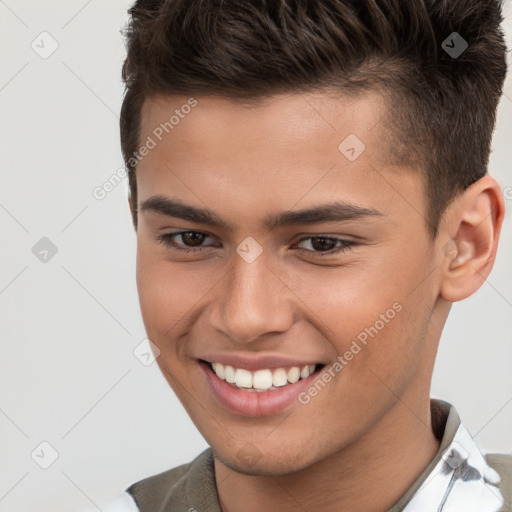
<point x="254" y="403"/>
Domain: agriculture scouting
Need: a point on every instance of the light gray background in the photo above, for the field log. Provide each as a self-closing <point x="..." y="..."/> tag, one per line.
<point x="69" y="326"/>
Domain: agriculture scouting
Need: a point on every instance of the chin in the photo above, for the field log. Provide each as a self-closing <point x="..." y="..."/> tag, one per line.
<point x="252" y="463"/>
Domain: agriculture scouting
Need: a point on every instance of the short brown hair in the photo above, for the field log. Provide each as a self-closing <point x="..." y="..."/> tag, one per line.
<point x="443" y="105"/>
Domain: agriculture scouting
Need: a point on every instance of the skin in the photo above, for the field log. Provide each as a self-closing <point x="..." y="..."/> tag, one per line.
<point x="371" y="423"/>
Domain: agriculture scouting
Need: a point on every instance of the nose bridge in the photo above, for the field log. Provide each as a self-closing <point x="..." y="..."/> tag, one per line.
<point x="252" y="302"/>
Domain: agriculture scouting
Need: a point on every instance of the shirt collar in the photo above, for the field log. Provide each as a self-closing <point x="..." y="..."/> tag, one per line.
<point x="458" y="477"/>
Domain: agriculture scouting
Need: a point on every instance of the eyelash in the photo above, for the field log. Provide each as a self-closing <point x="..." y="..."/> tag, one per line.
<point x="168" y="240"/>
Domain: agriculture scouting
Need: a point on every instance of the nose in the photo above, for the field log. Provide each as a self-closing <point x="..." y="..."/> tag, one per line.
<point x="252" y="301"/>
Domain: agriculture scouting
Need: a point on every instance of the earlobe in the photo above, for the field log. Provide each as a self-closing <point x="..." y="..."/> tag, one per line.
<point x="475" y="223"/>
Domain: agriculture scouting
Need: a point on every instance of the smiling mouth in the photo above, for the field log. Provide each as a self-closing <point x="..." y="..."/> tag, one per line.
<point x="265" y="379"/>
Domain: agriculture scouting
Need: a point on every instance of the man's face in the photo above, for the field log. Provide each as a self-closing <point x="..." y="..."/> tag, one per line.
<point x="309" y="290"/>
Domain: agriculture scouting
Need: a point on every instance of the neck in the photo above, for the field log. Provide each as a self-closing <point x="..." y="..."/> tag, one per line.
<point x="370" y="474"/>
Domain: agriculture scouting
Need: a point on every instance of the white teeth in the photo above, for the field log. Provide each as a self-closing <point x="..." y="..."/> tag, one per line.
<point x="229" y="374"/>
<point x="279" y="377"/>
<point x="262" y="380"/>
<point x="243" y="378"/>
<point x="219" y="370"/>
<point x="293" y="374"/>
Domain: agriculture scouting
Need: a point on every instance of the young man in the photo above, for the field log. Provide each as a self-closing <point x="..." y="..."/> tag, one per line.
<point x="310" y="195"/>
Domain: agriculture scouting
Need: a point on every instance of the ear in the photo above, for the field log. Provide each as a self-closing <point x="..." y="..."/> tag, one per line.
<point x="473" y="222"/>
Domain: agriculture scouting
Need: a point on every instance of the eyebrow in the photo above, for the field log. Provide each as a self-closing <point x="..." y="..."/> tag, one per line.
<point x="331" y="212"/>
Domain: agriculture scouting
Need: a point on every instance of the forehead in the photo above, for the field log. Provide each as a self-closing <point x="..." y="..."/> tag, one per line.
<point x="284" y="149"/>
<point x="285" y="120"/>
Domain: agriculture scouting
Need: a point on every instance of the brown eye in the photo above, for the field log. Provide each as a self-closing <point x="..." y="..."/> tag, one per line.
<point x="321" y="245"/>
<point x="190" y="240"/>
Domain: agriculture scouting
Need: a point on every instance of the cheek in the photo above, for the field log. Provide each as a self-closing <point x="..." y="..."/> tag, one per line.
<point x="342" y="301"/>
<point x="170" y="293"/>
<point x="374" y="312"/>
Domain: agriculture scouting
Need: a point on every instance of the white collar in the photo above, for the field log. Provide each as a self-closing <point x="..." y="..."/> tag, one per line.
<point x="461" y="481"/>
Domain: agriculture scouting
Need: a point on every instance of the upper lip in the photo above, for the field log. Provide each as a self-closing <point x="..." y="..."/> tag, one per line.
<point x="257" y="362"/>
